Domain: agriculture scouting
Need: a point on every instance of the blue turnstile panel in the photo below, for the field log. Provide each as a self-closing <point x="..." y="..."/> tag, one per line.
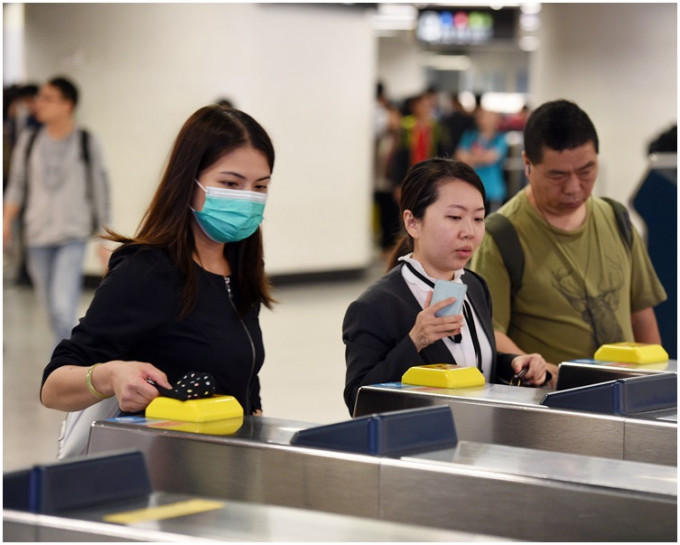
<point x="621" y="397"/>
<point x="385" y="434"/>
<point x="78" y="483"/>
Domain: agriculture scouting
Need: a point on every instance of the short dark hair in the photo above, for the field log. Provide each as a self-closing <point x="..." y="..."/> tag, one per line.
<point x="29" y="90"/>
<point x="66" y="87"/>
<point x="558" y="125"/>
<point x="420" y="189"/>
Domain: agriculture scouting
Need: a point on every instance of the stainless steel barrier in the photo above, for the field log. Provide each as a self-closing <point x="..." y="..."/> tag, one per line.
<point x="508" y="415"/>
<point x="582" y="372"/>
<point x="232" y="521"/>
<point x="476" y="488"/>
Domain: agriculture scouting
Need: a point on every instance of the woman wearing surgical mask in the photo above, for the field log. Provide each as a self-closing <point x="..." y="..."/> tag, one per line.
<point x="393" y="325"/>
<point x="184" y="293"/>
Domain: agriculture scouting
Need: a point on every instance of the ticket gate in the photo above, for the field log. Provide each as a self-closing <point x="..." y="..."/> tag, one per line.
<point x="109" y="498"/>
<point x="471" y="487"/>
<point x="508" y="415"/>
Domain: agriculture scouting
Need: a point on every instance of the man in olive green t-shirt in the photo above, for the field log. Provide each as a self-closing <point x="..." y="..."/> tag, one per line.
<point x="582" y="285"/>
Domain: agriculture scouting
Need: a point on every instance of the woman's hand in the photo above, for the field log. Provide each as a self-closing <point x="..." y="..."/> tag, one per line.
<point x="429" y="328"/>
<point x="536" y="368"/>
<point x="127" y="380"/>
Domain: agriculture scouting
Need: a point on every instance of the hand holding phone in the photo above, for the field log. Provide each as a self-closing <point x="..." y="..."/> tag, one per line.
<point x="443" y="289"/>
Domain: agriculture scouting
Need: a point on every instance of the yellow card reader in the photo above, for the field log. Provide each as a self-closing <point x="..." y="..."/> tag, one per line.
<point x="632" y="353"/>
<point x="444" y="375"/>
<point x="207" y="409"/>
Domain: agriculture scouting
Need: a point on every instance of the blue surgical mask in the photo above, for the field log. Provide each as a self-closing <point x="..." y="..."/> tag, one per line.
<point x="230" y="215"/>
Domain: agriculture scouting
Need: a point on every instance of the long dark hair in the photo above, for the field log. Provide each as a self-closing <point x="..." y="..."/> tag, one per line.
<point x="210" y="133"/>
<point x="420" y="189"/>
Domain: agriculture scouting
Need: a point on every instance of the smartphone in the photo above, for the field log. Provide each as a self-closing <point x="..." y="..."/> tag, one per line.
<point x="443" y="289"/>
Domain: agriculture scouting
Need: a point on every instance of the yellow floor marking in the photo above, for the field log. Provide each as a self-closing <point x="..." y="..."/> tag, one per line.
<point x="172" y="510"/>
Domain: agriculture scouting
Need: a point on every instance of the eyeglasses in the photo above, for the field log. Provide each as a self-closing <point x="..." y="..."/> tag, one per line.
<point x="52" y="99"/>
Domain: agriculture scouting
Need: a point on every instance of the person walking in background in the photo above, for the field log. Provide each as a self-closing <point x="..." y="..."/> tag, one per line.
<point x="18" y="114"/>
<point x="456" y="123"/>
<point x="58" y="190"/>
<point x="579" y="275"/>
<point x="386" y="135"/>
<point x="421" y="136"/>
<point x="484" y="149"/>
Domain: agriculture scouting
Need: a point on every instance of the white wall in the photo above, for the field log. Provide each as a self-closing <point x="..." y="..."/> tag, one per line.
<point x="399" y="68"/>
<point x="306" y="73"/>
<point x="619" y="63"/>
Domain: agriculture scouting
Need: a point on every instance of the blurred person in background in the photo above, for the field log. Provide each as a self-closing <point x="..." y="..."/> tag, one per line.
<point x="18" y="114"/>
<point x="484" y="149"/>
<point x="421" y="136"/>
<point x="386" y="134"/>
<point x="456" y="123"/>
<point x="58" y="190"/>
<point x="516" y="121"/>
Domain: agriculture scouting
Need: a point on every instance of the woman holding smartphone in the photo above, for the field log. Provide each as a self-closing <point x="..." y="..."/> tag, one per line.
<point x="393" y="326"/>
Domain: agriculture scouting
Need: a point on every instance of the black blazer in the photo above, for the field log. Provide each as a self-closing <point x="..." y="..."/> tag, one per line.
<point x="375" y="332"/>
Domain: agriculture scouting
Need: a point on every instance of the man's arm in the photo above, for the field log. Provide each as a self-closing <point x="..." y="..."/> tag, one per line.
<point x="506" y="344"/>
<point x="645" y="328"/>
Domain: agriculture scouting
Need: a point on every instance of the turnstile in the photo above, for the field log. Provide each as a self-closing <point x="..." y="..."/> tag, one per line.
<point x="109" y="497"/>
<point x="497" y="490"/>
<point x="508" y="415"/>
<point x="229" y="521"/>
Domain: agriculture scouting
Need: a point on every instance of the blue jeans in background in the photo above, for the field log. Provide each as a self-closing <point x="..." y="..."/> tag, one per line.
<point x="57" y="275"/>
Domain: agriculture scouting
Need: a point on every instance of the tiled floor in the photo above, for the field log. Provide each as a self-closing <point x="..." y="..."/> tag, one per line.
<point x="302" y="379"/>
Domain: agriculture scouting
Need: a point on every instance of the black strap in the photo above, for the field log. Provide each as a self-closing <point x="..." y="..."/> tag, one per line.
<point x="27" y="155"/>
<point x="467" y="314"/>
<point x="89" y="183"/>
<point x="507" y="241"/>
<point x="622" y="220"/>
<point x="470" y="319"/>
<point x="425" y="279"/>
<point x="456" y="338"/>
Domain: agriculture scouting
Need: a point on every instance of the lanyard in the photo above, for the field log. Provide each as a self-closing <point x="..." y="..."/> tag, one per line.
<point x="467" y="314"/>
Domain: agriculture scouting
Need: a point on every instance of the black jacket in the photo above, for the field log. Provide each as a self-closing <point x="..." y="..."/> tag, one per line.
<point x="134" y="316"/>
<point x="376" y="327"/>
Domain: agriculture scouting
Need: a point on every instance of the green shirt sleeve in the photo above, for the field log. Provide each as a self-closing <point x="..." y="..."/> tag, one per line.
<point x="645" y="288"/>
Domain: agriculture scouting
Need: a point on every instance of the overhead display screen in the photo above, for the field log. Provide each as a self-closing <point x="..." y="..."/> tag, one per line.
<point x="465" y="26"/>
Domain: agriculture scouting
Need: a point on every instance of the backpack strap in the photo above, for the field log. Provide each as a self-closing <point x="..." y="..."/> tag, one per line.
<point x="89" y="191"/>
<point x="622" y="221"/>
<point x="29" y="147"/>
<point x="27" y="156"/>
<point x="504" y="234"/>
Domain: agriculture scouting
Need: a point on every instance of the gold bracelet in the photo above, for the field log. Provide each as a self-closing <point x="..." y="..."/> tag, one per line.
<point x="90" y="386"/>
